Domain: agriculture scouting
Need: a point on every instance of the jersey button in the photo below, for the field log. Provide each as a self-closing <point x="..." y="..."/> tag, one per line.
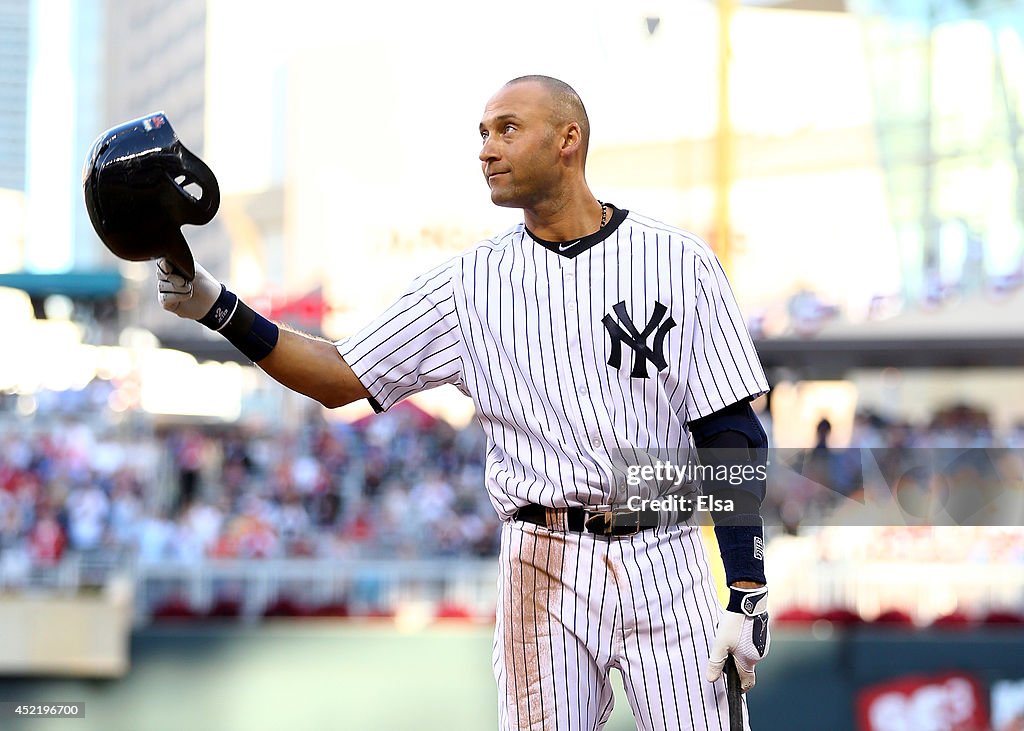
<point x="595" y="441"/>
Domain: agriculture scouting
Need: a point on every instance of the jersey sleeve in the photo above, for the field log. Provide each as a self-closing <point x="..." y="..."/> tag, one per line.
<point x="724" y="367"/>
<point x="414" y="345"/>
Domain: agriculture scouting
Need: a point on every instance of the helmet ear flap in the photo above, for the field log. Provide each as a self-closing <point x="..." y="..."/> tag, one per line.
<point x="198" y="187"/>
<point x="186" y="184"/>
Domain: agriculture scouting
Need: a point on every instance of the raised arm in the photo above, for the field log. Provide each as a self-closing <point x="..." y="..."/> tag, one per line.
<point x="314" y="367"/>
<point x="308" y="365"/>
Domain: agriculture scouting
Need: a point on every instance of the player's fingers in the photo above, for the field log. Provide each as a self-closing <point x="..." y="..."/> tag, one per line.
<point x="174" y="284"/>
<point x="714" y="670"/>
<point x="166" y="271"/>
<point x="747" y="677"/>
<point x="170" y="303"/>
<point x="176" y="279"/>
<point x="720" y="649"/>
<point x="174" y="297"/>
<point x="165" y="268"/>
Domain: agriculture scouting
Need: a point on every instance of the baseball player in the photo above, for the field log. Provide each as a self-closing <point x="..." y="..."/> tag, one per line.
<point x="588" y="336"/>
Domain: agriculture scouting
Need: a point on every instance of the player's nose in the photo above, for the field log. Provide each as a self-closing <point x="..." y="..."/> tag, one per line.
<point x="488" y="151"/>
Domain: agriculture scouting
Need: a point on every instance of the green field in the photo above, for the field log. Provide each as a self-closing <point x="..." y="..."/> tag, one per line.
<point x="282" y="676"/>
<point x="348" y="675"/>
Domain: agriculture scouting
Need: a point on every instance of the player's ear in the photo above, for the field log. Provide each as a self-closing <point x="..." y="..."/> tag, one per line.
<point x="571" y="138"/>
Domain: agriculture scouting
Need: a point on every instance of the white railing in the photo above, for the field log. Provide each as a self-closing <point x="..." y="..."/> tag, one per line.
<point x="363" y="586"/>
<point x="925" y="590"/>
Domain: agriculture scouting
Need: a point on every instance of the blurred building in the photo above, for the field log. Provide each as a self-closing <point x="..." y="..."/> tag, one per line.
<point x="876" y="152"/>
<point x="938" y="283"/>
<point x="51" y="93"/>
<point x="14" y="41"/>
<point x="948" y="82"/>
<point x="875" y="145"/>
<point x="14" y="50"/>
<point x="71" y="69"/>
<point x="156" y="61"/>
<point x="64" y="94"/>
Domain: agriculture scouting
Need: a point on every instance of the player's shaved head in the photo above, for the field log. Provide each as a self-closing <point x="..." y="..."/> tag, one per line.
<point x="566" y="105"/>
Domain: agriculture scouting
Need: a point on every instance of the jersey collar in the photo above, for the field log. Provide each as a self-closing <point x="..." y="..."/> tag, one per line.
<point x="571" y="249"/>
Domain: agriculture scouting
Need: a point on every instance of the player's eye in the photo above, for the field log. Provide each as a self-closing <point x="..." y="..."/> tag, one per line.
<point x="483" y="136"/>
<point x="509" y="128"/>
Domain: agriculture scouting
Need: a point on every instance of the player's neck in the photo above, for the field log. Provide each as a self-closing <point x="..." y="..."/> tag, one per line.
<point x="566" y="221"/>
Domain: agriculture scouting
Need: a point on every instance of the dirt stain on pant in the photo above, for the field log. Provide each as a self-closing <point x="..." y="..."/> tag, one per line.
<point x="611" y="567"/>
<point x="533" y="603"/>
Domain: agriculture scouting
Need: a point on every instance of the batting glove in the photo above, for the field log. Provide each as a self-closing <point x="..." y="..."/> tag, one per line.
<point x="743" y="633"/>
<point x="188" y="299"/>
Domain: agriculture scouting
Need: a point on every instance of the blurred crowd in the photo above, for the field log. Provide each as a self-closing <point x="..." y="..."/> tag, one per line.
<point x="955" y="469"/>
<point x="399" y="485"/>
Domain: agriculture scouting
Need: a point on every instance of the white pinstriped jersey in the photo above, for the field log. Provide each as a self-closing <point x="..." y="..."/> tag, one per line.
<point x="571" y="352"/>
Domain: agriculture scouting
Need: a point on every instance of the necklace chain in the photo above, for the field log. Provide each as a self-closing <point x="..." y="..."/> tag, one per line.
<point x="604" y="213"/>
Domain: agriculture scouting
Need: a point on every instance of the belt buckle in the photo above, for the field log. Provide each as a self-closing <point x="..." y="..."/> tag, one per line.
<point x="601" y="521"/>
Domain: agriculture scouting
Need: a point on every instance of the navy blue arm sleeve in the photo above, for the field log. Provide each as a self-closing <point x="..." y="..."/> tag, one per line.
<point x="733" y="438"/>
<point x="733" y="444"/>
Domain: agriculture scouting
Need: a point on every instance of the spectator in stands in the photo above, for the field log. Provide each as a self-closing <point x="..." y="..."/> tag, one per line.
<point x="126" y="508"/>
<point x="187" y="448"/>
<point x="295" y="527"/>
<point x="46" y="539"/>
<point x="155" y="537"/>
<point x="88" y="510"/>
<point x="198" y="529"/>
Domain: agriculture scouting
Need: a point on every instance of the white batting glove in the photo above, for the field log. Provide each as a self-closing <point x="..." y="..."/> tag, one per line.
<point x="743" y="633"/>
<point x="188" y="299"/>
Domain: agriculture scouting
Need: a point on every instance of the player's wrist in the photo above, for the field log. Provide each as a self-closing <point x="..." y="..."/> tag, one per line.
<point x="205" y="291"/>
<point x="254" y="335"/>
<point x="749" y="602"/>
<point x="220" y="310"/>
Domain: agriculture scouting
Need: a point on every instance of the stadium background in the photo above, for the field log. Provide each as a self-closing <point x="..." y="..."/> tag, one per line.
<point x="222" y="554"/>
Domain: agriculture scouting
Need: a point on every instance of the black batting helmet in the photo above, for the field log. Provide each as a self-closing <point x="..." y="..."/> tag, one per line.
<point x="135" y="182"/>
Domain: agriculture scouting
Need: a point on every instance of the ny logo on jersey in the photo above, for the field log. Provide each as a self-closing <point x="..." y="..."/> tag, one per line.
<point x="628" y="334"/>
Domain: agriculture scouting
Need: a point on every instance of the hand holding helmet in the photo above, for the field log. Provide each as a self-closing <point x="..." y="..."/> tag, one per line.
<point x="191" y="299"/>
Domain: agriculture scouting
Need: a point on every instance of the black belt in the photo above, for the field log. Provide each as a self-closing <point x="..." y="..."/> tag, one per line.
<point x="604" y="521"/>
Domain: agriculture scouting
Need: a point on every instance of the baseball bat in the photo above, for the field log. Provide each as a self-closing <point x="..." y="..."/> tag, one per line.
<point x="734" y="695"/>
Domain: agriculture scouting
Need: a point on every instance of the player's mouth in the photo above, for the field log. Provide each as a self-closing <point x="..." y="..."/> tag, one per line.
<point x="492" y="176"/>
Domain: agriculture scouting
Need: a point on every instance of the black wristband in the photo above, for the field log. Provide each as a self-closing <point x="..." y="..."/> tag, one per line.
<point x="741" y="545"/>
<point x="221" y="311"/>
<point x="254" y="335"/>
